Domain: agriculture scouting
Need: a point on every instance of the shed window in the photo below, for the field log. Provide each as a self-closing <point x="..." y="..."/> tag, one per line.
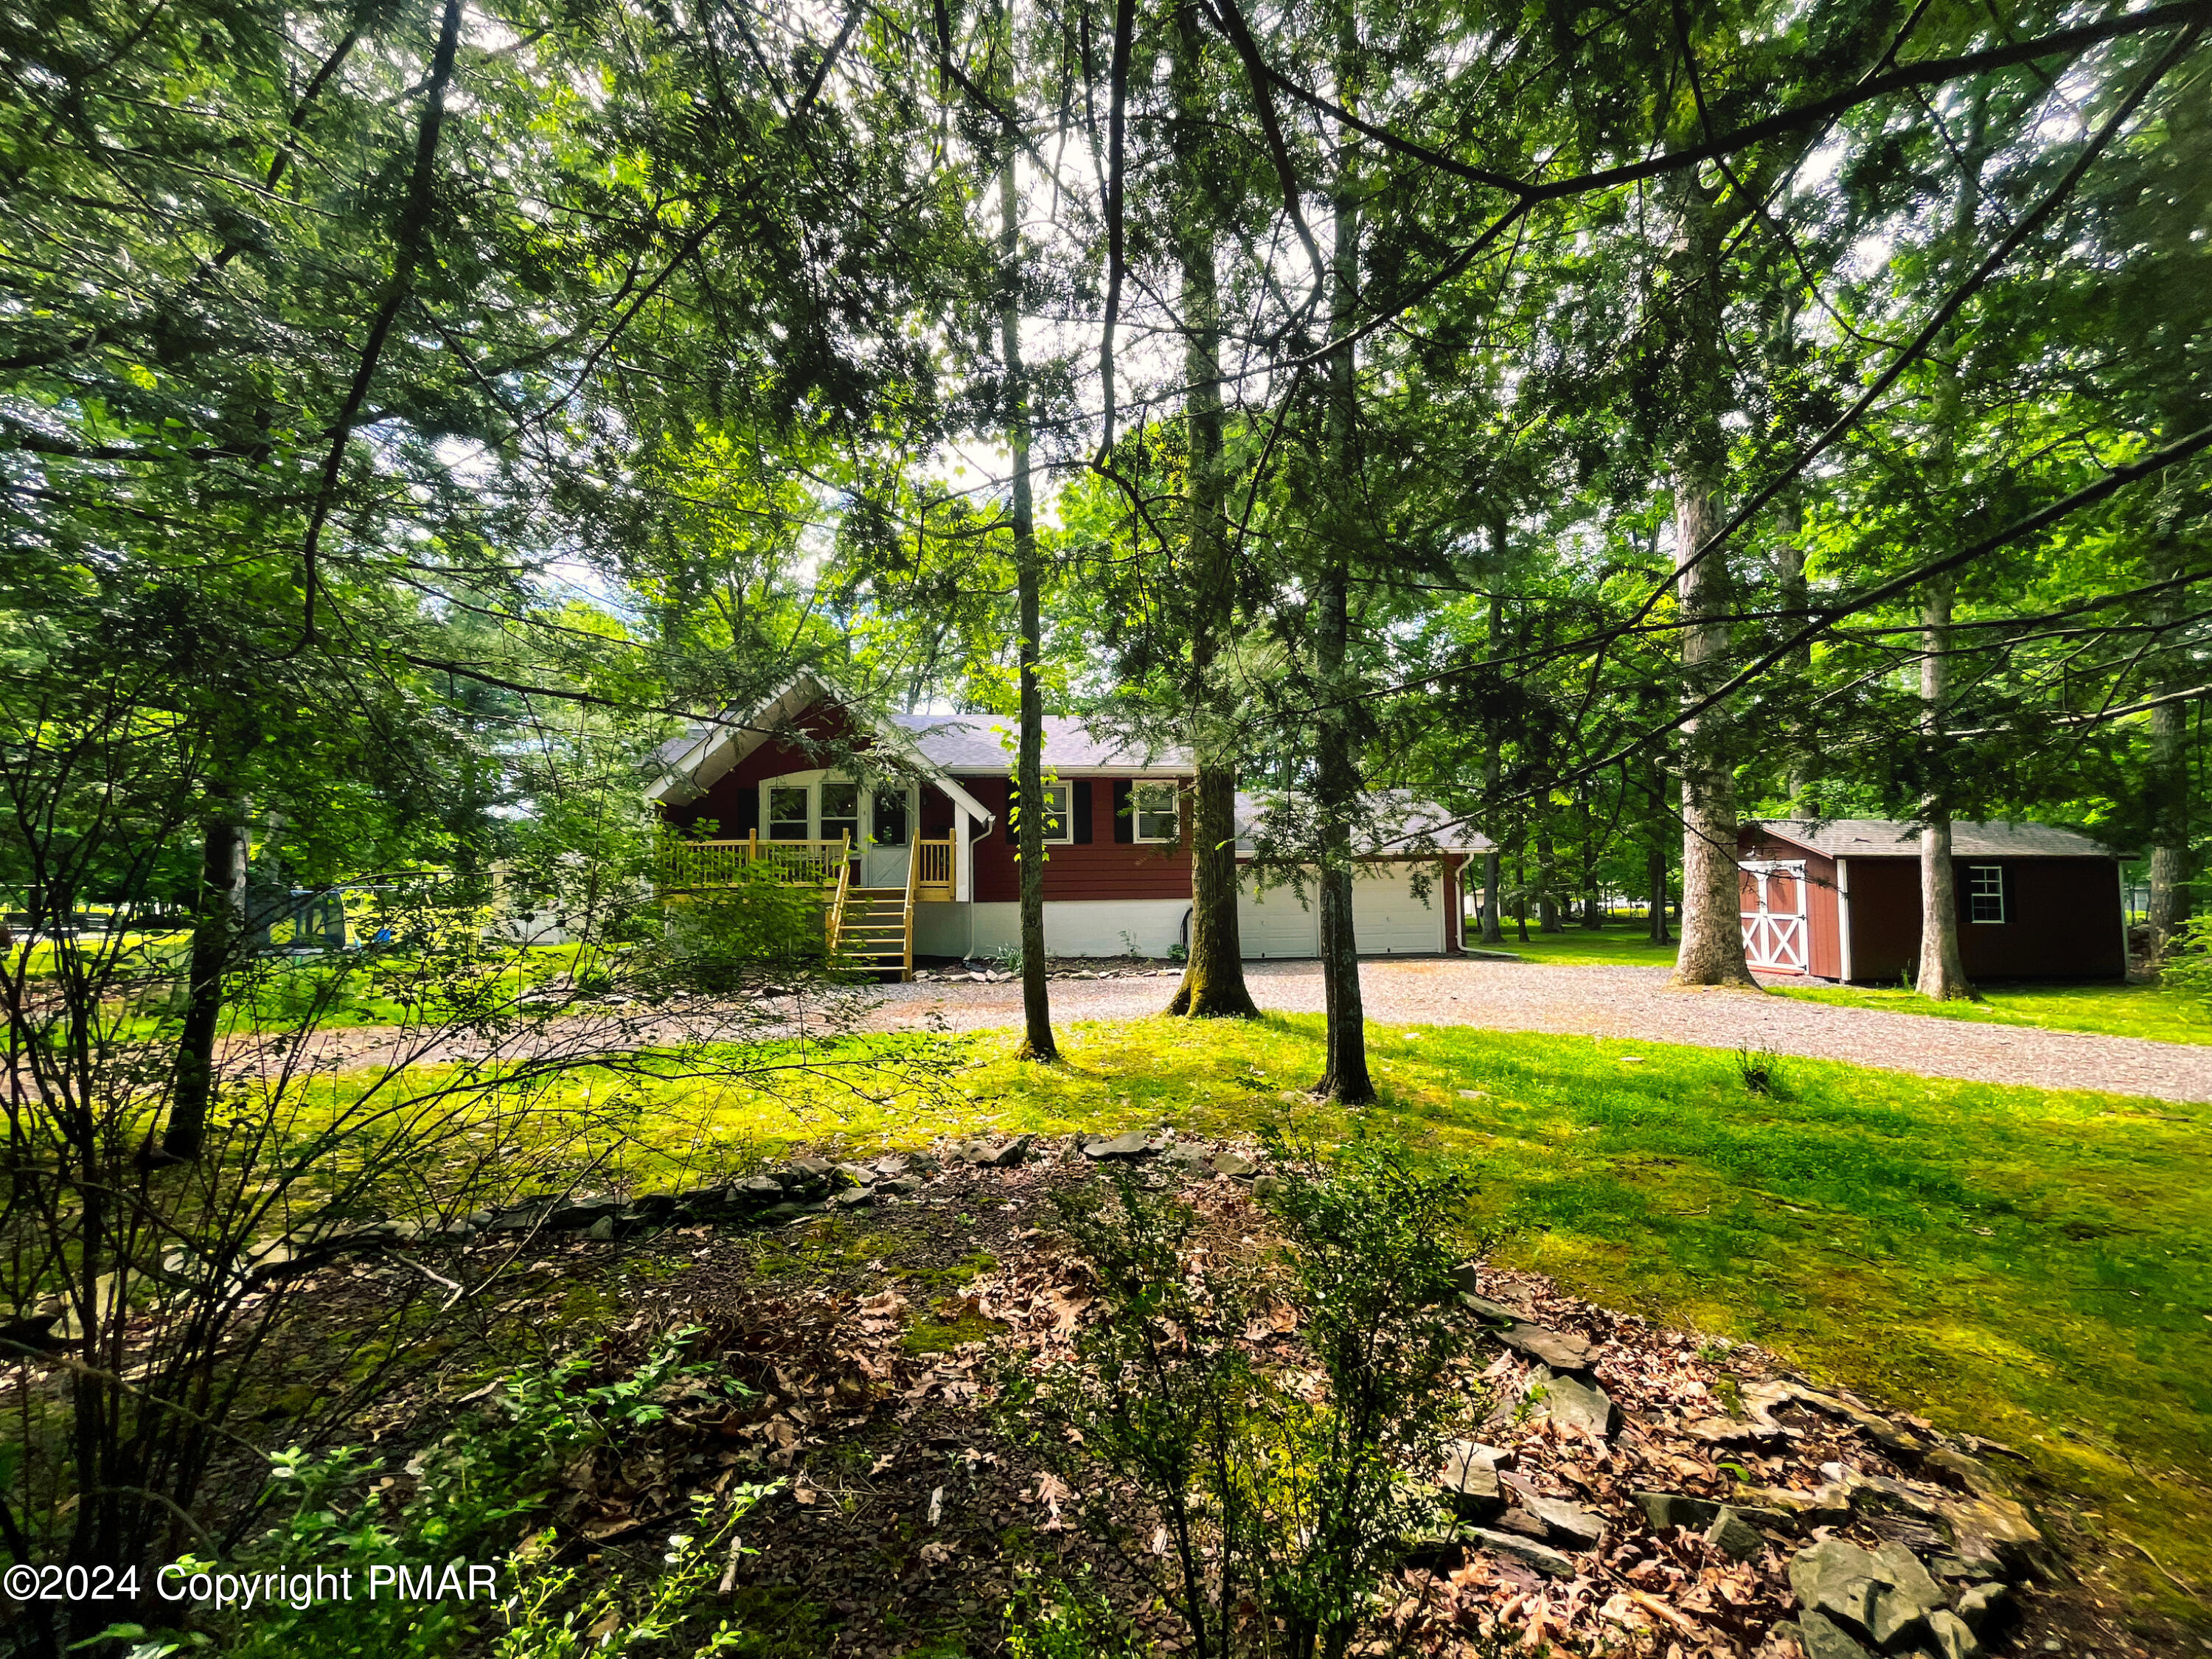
<point x="1155" y="806"/>
<point x="1985" y="892"/>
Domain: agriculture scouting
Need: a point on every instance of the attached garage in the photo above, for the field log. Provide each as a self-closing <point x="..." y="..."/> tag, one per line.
<point x="1390" y="919"/>
<point x="1405" y="900"/>
<point x="1280" y="921"/>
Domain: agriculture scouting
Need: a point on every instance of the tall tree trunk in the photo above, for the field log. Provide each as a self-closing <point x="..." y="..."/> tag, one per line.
<point x="1943" y="973"/>
<point x="1214" y="981"/>
<point x="2169" y="849"/>
<point x="218" y="924"/>
<point x="1712" y="927"/>
<point x="1593" y="899"/>
<point x="1029" y="766"/>
<point x="1789" y="562"/>
<point x="1336" y="772"/>
<point x="1547" y="897"/>
<point x="2168" y="784"/>
<point x="1492" y="931"/>
<point x="1655" y="861"/>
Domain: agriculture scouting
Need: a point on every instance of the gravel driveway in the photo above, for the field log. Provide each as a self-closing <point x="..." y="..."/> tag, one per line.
<point x="1623" y="1002"/>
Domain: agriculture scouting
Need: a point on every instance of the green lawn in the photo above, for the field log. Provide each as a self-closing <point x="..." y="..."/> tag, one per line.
<point x="1608" y="947"/>
<point x="2139" y="1011"/>
<point x="2034" y="1266"/>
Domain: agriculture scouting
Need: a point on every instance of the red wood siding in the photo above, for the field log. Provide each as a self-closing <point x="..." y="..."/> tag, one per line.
<point x="2062" y="921"/>
<point x="1823" y="952"/>
<point x="732" y="800"/>
<point x="1885" y="919"/>
<point x="1104" y="869"/>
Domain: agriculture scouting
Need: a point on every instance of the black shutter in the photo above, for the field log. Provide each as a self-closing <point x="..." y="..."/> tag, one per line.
<point x="1125" y="822"/>
<point x="1080" y="798"/>
<point x="748" y="814"/>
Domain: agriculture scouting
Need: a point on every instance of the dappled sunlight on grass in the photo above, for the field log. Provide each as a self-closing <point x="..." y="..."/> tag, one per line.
<point x="2024" y="1264"/>
<point x="2136" y="1011"/>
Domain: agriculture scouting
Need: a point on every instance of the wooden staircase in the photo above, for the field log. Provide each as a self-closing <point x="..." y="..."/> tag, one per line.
<point x="875" y="930"/>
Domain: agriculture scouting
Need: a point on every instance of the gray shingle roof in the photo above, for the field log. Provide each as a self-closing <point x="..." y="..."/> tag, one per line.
<point x="1893" y="838"/>
<point x="970" y="744"/>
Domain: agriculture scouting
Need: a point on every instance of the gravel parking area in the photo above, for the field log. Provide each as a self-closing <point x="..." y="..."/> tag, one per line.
<point x="1635" y="1003"/>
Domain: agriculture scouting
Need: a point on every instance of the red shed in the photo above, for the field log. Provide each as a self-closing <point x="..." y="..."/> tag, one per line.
<point x="1839" y="899"/>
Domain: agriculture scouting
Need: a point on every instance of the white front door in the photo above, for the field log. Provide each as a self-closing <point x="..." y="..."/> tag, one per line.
<point x="891" y="831"/>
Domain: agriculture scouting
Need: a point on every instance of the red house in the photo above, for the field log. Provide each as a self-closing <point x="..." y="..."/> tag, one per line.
<point x="1839" y="899"/>
<point x="905" y="822"/>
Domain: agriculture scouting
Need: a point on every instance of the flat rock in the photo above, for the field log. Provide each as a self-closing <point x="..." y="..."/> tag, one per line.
<point x="1823" y="1638"/>
<point x="855" y="1198"/>
<point x="1829" y="1505"/>
<point x="1728" y="1430"/>
<point x="1980" y="1605"/>
<point x="1564" y="1523"/>
<point x="1989" y="1529"/>
<point x="1008" y="1156"/>
<point x="759" y="1190"/>
<point x="1482" y="1307"/>
<point x="1954" y="1638"/>
<point x="1913" y="1596"/>
<point x="1573" y="1404"/>
<point x="1876" y="1427"/>
<point x="1527" y="1551"/>
<point x="1522" y="1523"/>
<point x="1838" y="1580"/>
<point x="1666" y="1510"/>
<point x="1469" y="1483"/>
<point x="602" y="1231"/>
<point x="1235" y="1166"/>
<point x="1562" y="1351"/>
<point x="1135" y="1144"/>
<point x="1884" y="1593"/>
<point x="1734" y="1536"/>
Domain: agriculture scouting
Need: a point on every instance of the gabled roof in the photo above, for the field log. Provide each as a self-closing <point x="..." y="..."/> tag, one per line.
<point x="694" y="761"/>
<point x="970" y="745"/>
<point x="1397" y="818"/>
<point x="1895" y="838"/>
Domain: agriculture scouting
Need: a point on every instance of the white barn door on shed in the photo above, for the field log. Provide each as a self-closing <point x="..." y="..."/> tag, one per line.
<point x="1775" y="927"/>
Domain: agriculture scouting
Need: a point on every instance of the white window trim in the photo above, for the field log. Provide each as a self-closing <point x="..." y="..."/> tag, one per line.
<point x="1065" y="814"/>
<point x="807" y="781"/>
<point x="1137" y="814"/>
<point x="2003" y="911"/>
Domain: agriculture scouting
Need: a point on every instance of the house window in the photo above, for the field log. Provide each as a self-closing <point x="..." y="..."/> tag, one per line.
<point x="841" y="811"/>
<point x="1059" y="818"/>
<point x="1154" y="804"/>
<point x="787" y="813"/>
<point x="1985" y="892"/>
<point x="890" y="817"/>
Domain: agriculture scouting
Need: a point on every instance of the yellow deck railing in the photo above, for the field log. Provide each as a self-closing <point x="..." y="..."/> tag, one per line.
<point x="682" y="864"/>
<point x="931" y="870"/>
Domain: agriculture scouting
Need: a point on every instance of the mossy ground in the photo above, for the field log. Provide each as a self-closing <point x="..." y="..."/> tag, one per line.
<point x="2030" y="1265"/>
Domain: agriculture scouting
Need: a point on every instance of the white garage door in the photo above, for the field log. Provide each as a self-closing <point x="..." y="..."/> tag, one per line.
<point x="1389" y="920"/>
<point x="1274" y="923"/>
